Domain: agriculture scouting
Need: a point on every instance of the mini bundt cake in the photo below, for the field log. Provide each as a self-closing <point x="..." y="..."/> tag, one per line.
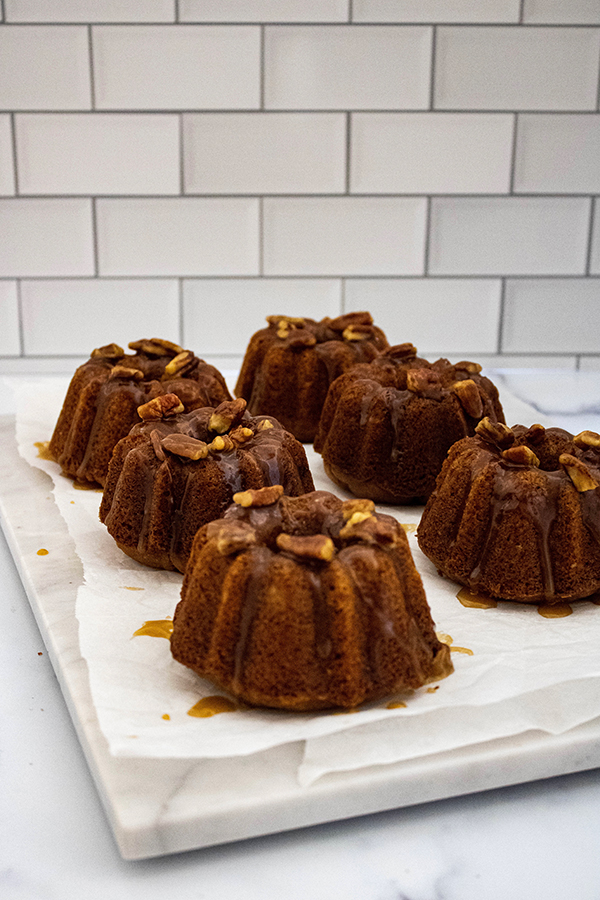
<point x="516" y="514"/>
<point x="289" y="366"/>
<point x="306" y="603"/>
<point x="386" y="427"/>
<point x="102" y="400"/>
<point x="176" y="471"/>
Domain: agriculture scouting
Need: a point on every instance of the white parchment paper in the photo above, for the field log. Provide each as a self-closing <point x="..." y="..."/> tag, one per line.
<point x="514" y="670"/>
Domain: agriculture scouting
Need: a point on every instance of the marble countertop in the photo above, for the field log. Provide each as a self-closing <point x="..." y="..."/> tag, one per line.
<point x="537" y="840"/>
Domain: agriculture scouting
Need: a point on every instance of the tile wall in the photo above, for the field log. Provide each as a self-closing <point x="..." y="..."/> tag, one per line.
<point x="183" y="169"/>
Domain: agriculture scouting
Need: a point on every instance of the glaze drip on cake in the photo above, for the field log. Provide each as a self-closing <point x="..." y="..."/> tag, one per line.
<point x="102" y="400"/>
<point x="516" y="514"/>
<point x="386" y="427"/>
<point x="288" y="367"/>
<point x="176" y="471"/>
<point x="306" y="603"/>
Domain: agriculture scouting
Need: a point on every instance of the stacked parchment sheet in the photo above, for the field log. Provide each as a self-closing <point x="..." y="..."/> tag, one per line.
<point x="515" y="671"/>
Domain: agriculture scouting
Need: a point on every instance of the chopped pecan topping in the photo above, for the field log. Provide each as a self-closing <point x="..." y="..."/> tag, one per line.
<point x="521" y="455"/>
<point x="495" y="432"/>
<point x="535" y="435"/>
<point x="578" y="472"/>
<point x="180" y="364"/>
<point x="418" y="380"/>
<point x="401" y="351"/>
<point x="312" y="546"/>
<point x="264" y="496"/>
<point x="109" y="351"/>
<point x="241" y="434"/>
<point x="285" y="324"/>
<point x="264" y="425"/>
<point x="350" y="507"/>
<point x="184" y="445"/>
<point x="587" y="440"/>
<point x="158" y="450"/>
<point x="371" y="529"/>
<point x="126" y="372"/>
<point x="464" y="365"/>
<point x="469" y="397"/>
<point x="349" y="320"/>
<point x="227" y="415"/>
<point x="231" y="537"/>
<point x="301" y="338"/>
<point x="156" y="347"/>
<point x="221" y="443"/>
<point x="161" y="406"/>
<point x="357" y="332"/>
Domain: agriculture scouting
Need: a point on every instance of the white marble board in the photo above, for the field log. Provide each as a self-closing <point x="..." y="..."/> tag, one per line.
<point x="161" y="806"/>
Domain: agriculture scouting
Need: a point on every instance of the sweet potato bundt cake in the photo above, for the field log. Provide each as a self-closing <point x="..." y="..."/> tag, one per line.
<point x="306" y="603"/>
<point x="176" y="471"/>
<point x="386" y="427"/>
<point x="516" y="514"/>
<point x="289" y="366"/>
<point x="102" y="400"/>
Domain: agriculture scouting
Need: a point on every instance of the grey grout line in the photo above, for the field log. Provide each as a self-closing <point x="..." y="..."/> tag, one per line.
<point x="513" y="156"/>
<point x="181" y="312"/>
<point x="13" y="139"/>
<point x="348" y="158"/>
<point x="598" y="93"/>
<point x="177" y="13"/>
<point x="501" y="312"/>
<point x="262" y="70"/>
<point x="523" y="276"/>
<point x="181" y="157"/>
<point x="350" y="12"/>
<point x="432" y="68"/>
<point x="252" y="23"/>
<point x="358" y="195"/>
<point x="20" y="323"/>
<point x="91" y="65"/>
<point x="261" y="237"/>
<point x="426" y="248"/>
<point x="521" y="11"/>
<point x="342" y="295"/>
<point x="591" y="225"/>
<point x="327" y="111"/>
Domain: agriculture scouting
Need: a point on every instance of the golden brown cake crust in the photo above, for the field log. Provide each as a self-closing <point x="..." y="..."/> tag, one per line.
<point x="516" y="514"/>
<point x="289" y="366"/>
<point x="102" y="400"/>
<point x="386" y="427"/>
<point x="306" y="603"/>
<point x="175" y="472"/>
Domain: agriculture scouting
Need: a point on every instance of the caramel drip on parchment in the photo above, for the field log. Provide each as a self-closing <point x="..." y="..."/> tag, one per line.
<point x="446" y="639"/>
<point x="43" y="449"/>
<point x="212" y="706"/>
<point x="162" y="628"/>
<point x="42" y="552"/>
<point x="557" y="611"/>
<point x="476" y="601"/>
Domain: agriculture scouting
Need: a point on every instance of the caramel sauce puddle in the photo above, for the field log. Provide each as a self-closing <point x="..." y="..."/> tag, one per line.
<point x="212" y="706"/>
<point x="162" y="628"/>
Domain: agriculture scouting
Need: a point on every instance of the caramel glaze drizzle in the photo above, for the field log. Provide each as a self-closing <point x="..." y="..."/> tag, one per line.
<point x="212" y="706"/>
<point x="162" y="628"/>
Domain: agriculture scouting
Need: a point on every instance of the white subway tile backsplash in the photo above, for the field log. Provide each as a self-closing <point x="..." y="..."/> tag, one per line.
<point x="595" y="241"/>
<point x="264" y="11"/>
<point x="90" y="10"/>
<point x="7" y="169"/>
<point x="517" y="68"/>
<point x="538" y="315"/>
<point x="106" y="311"/>
<point x="441" y="315"/>
<point x="248" y="302"/>
<point x="177" y="66"/>
<point x="347" y="235"/>
<point x="178" y="236"/>
<point x="9" y="319"/>
<point x="558" y="153"/>
<point x="508" y="235"/>
<point x="44" y="67"/>
<point x="97" y="153"/>
<point x="431" y="152"/>
<point x="46" y="237"/>
<point x="435" y="10"/>
<point x="270" y="153"/>
<point x="561" y="12"/>
<point x="347" y="67"/>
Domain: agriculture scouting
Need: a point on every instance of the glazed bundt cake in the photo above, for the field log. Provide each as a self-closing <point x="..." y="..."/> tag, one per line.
<point x="386" y="427"/>
<point x="306" y="603"/>
<point x="176" y="471"/>
<point x="102" y="400"/>
<point x="289" y="366"/>
<point x="516" y="514"/>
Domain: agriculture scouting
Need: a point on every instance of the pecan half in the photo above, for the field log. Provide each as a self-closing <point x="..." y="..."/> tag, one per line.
<point x="465" y="365"/>
<point x="418" y="380"/>
<point x="221" y="443"/>
<point x="371" y="529"/>
<point x="521" y="455"/>
<point x="264" y="496"/>
<point x="536" y="434"/>
<point x="231" y="537"/>
<point x="587" y="440"/>
<point x="180" y="364"/>
<point x="158" y="450"/>
<point x="495" y="432"/>
<point x="184" y="445"/>
<point x="301" y="338"/>
<point x="156" y="347"/>
<point x="161" y="406"/>
<point x="578" y="472"/>
<point x="350" y="507"/>
<point x="241" y="434"/>
<point x="469" y="397"/>
<point x="125" y="372"/>
<point x="348" y="320"/>
<point x="227" y="415"/>
<point x="401" y="351"/>
<point x="312" y="546"/>
<point x="109" y="351"/>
